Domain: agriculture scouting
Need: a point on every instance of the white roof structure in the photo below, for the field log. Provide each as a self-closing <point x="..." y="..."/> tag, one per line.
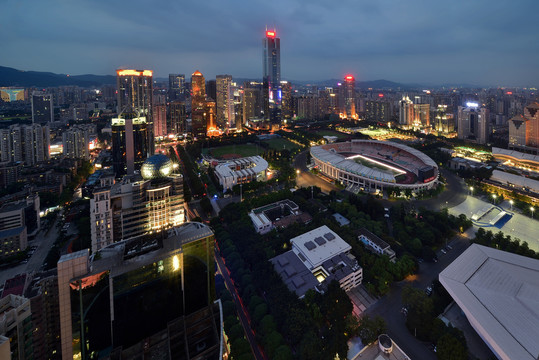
<point x="517" y="155"/>
<point x="318" y="245"/>
<point x="499" y="294"/>
<point x="520" y="181"/>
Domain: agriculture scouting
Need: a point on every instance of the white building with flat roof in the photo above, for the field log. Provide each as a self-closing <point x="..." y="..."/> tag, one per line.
<point x="241" y="171"/>
<point x="499" y="294"/>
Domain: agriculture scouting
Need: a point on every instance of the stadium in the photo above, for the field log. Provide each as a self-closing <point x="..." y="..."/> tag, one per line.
<point x="372" y="166"/>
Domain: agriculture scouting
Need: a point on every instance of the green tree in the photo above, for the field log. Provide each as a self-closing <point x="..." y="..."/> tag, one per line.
<point x="450" y="348"/>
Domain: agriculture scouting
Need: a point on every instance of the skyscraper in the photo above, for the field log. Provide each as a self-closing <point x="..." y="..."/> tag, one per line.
<point x="76" y="142"/>
<point x="406" y="112"/>
<point x="272" y="77"/>
<point x="176" y="117"/>
<point x="176" y="86"/>
<point x="135" y="90"/>
<point x="151" y="296"/>
<point x="198" y="99"/>
<point x="129" y="143"/>
<point x="524" y="130"/>
<point x="42" y="107"/>
<point x="473" y="123"/>
<point x="349" y="98"/>
<point x="160" y="120"/>
<point x="225" y="102"/>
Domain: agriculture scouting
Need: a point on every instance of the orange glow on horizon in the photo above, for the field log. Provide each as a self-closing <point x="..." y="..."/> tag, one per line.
<point x="130" y="72"/>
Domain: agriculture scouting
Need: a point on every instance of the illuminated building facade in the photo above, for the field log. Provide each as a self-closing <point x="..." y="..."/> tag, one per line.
<point x="138" y="205"/>
<point x="406" y="112"/>
<point x="287" y="105"/>
<point x="378" y="110"/>
<point x="348" y="94"/>
<point x="150" y="296"/>
<point x="129" y="143"/>
<point x="252" y="101"/>
<point x="198" y="100"/>
<point x="524" y="130"/>
<point x="444" y="122"/>
<point x="135" y="91"/>
<point x="210" y="118"/>
<point x="160" y="120"/>
<point x="473" y="123"/>
<point x="25" y="143"/>
<point x="272" y="77"/>
<point x="42" y="107"/>
<point x="12" y="94"/>
<point x="421" y="115"/>
<point x="76" y="143"/>
<point x="225" y="102"/>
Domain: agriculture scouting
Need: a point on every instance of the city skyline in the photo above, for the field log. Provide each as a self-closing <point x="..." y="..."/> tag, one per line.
<point x="421" y="42"/>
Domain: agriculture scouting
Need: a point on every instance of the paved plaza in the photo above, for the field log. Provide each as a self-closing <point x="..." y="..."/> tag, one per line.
<point x="518" y="226"/>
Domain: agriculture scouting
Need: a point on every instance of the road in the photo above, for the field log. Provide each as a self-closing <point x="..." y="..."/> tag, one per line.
<point x="389" y="307"/>
<point x="455" y="193"/>
<point x="305" y="178"/>
<point x="242" y="313"/>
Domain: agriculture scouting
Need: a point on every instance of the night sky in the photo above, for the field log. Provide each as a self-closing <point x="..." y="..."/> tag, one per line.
<point x="480" y="42"/>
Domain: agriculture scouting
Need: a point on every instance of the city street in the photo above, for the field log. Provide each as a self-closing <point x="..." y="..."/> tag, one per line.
<point x="242" y="313"/>
<point x="389" y="307"/>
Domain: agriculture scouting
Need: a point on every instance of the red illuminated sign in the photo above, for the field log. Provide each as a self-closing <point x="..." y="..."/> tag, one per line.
<point x="349" y="77"/>
<point x="509" y="93"/>
<point x="381" y="95"/>
<point x="270" y="34"/>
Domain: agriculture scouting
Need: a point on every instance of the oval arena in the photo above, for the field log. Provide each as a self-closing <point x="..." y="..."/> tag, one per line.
<point x="371" y="166"/>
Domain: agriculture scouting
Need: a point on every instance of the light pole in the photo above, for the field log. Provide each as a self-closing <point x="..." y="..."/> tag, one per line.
<point x="241" y="192"/>
<point x="511" y="202"/>
<point x="471" y="190"/>
<point x="494" y="198"/>
<point x="532" y="209"/>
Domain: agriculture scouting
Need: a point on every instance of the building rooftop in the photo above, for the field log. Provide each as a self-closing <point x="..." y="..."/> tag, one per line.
<point x="375" y="239"/>
<point x="341" y="219"/>
<point x="297" y="277"/>
<point x="318" y="245"/>
<point x="498" y="292"/>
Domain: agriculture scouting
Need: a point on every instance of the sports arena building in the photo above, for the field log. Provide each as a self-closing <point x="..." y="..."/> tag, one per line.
<point x="374" y="165"/>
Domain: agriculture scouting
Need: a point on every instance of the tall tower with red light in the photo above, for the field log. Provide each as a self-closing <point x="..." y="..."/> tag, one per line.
<point x="272" y="77"/>
<point x="349" y="98"/>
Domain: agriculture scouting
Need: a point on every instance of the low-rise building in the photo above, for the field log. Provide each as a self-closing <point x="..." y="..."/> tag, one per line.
<point x="267" y="217"/>
<point x="376" y="244"/>
<point x="325" y="255"/>
<point x="241" y="171"/>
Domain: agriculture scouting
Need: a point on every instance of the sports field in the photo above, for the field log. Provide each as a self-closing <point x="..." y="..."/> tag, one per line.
<point x="280" y="144"/>
<point x="234" y="151"/>
<point x="332" y="133"/>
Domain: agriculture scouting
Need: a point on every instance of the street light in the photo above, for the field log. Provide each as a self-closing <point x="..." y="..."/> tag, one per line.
<point x="494" y="197"/>
<point x="532" y="209"/>
<point x="471" y="190"/>
<point x="511" y="202"/>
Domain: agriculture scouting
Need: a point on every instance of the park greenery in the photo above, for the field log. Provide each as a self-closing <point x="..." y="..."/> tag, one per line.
<point x="503" y="242"/>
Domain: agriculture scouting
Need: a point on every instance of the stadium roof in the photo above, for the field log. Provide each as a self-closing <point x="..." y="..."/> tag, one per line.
<point x="499" y="294"/>
<point x="517" y="155"/>
<point x="521" y="181"/>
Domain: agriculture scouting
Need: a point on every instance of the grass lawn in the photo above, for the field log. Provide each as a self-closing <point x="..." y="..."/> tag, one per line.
<point x="280" y="144"/>
<point x="332" y="133"/>
<point x="242" y="150"/>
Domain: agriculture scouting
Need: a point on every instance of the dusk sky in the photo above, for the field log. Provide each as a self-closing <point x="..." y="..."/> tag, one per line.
<point x="490" y="43"/>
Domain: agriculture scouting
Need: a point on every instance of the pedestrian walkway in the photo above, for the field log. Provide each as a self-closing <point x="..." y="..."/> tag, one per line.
<point x="361" y="299"/>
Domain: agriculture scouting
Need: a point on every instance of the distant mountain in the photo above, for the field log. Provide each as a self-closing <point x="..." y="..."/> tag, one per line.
<point x="372" y="84"/>
<point x="14" y="77"/>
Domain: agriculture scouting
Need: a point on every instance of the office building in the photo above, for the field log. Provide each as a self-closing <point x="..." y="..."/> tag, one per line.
<point x="406" y="112"/>
<point x="253" y="101"/>
<point x="149" y="295"/>
<point x="210" y="117"/>
<point x="138" y="204"/>
<point x="176" y="87"/>
<point x="16" y="325"/>
<point x="198" y="101"/>
<point x="473" y="123"/>
<point x="76" y="142"/>
<point x="497" y="292"/>
<point x="135" y="91"/>
<point x="444" y="123"/>
<point x="272" y="78"/>
<point x="421" y="116"/>
<point x="225" y="102"/>
<point x="129" y="143"/>
<point x="42" y="107"/>
<point x="287" y="105"/>
<point x="524" y="130"/>
<point x="317" y="258"/>
<point x="348" y="95"/>
<point x="177" y="118"/>
<point x="241" y="171"/>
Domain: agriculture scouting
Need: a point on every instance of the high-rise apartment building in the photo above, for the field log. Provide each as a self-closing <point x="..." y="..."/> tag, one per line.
<point x="135" y="90"/>
<point x="176" y="87"/>
<point x="421" y="116"/>
<point x="524" y="130"/>
<point x="198" y="100"/>
<point x="378" y="110"/>
<point x="159" y="287"/>
<point x="138" y="204"/>
<point x="272" y="77"/>
<point x="253" y="101"/>
<point x="287" y="105"/>
<point x="25" y="143"/>
<point x="76" y="143"/>
<point x="160" y="120"/>
<point x="444" y="123"/>
<point x="348" y="94"/>
<point x="406" y="112"/>
<point x="42" y="107"/>
<point x="16" y="325"/>
<point x="225" y="102"/>
<point x="473" y="123"/>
